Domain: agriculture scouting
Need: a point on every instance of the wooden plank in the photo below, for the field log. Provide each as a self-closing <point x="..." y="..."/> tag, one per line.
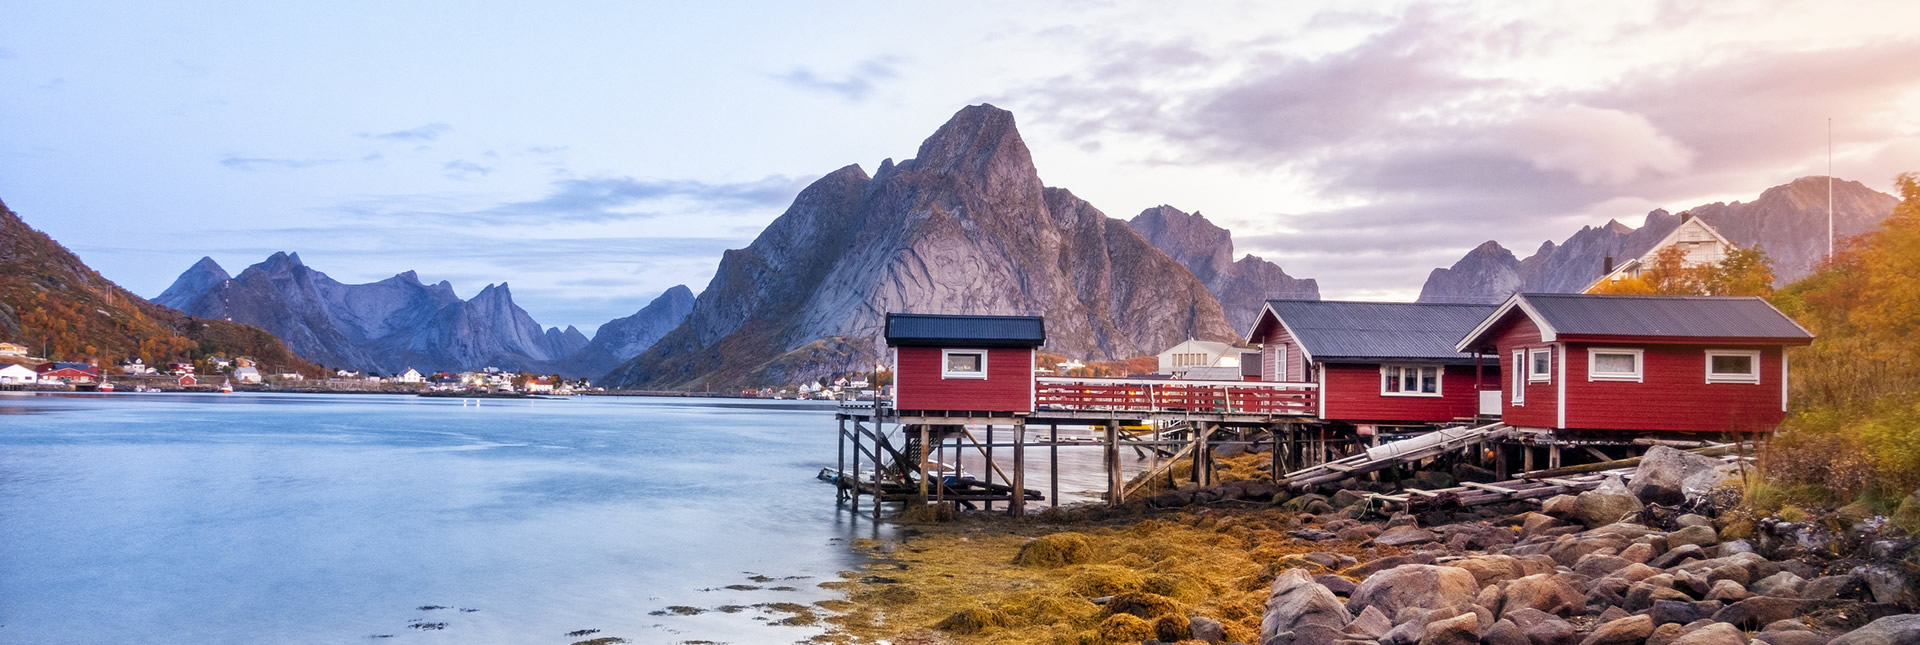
<point x="1489" y="487"/>
<point x="1422" y="493"/>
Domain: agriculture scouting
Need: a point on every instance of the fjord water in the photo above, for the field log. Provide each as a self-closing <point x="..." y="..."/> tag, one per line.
<point x="246" y="518"/>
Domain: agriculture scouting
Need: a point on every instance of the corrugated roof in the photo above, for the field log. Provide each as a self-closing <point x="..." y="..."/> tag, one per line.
<point x="1331" y="330"/>
<point x="921" y="330"/>
<point x="1682" y="316"/>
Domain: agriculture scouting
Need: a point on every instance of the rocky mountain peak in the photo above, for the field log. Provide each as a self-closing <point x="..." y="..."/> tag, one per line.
<point x="1242" y="287"/>
<point x="977" y="142"/>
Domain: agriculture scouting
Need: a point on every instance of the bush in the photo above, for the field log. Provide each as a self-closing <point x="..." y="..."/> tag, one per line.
<point x="1055" y="551"/>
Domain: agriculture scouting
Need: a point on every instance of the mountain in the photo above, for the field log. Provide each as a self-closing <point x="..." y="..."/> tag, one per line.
<point x="385" y="326"/>
<point x="1243" y="287"/>
<point x="966" y="226"/>
<point x="1788" y="222"/>
<point x="53" y="303"/>
<point x="621" y="339"/>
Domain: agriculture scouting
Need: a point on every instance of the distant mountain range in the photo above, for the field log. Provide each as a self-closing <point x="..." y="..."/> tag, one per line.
<point x="53" y="304"/>
<point x="1243" y="287"/>
<point x="966" y="226"/>
<point x="1788" y="222"/>
<point x="400" y="322"/>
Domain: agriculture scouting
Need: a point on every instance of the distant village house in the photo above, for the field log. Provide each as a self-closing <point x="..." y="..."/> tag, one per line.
<point x="10" y="349"/>
<point x="1700" y="244"/>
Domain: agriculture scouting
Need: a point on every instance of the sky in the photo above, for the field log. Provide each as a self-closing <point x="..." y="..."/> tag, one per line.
<point x="594" y="154"/>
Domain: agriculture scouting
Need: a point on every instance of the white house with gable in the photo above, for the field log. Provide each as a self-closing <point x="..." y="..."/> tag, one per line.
<point x="1703" y="246"/>
<point x="1190" y="353"/>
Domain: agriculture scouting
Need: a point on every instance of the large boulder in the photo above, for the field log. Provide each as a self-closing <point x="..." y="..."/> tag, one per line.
<point x="1596" y="509"/>
<point x="1903" y="629"/>
<point x="1671" y="477"/>
<point x="1714" y="634"/>
<point x="1298" y="607"/>
<point x="1463" y="629"/>
<point x="1631" y="630"/>
<point x="1415" y="585"/>
<point x="1548" y="592"/>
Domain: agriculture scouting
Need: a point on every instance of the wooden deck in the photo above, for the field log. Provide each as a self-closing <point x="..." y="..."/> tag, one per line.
<point x="1053" y="395"/>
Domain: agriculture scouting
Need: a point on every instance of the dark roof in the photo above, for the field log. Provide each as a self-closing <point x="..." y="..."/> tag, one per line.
<point x="925" y="330"/>
<point x="1335" y="331"/>
<point x="1681" y="316"/>
<point x="48" y="367"/>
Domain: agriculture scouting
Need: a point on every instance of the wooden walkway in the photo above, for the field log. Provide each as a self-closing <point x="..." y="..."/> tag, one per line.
<point x="1408" y="451"/>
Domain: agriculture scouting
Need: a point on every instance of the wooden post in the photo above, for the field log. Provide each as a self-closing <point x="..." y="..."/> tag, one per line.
<point x="1202" y="457"/>
<point x="1553" y="456"/>
<point x="923" y="463"/>
<point x="988" y="504"/>
<point x="1114" y="489"/>
<point x="940" y="457"/>
<point x="1273" y="453"/>
<point x="1500" y="462"/>
<point x="1019" y="506"/>
<point x="879" y="438"/>
<point x="1053" y="469"/>
<point x="853" y="483"/>
<point x="840" y="467"/>
<point x="1526" y="461"/>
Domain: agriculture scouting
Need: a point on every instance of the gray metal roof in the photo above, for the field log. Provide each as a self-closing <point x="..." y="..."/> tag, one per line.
<point x="924" y="330"/>
<point x="1335" y="331"/>
<point x="1681" y="316"/>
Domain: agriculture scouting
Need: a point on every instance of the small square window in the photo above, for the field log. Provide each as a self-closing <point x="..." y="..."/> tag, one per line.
<point x="1539" y="365"/>
<point x="1733" y="366"/>
<point x="1614" y="364"/>
<point x="1410" y="380"/>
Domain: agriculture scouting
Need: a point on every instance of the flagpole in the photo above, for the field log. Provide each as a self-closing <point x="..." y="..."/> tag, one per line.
<point x="1829" y="187"/>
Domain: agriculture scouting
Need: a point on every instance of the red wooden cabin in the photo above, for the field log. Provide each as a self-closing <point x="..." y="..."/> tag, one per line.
<point x="1376" y="363"/>
<point x="67" y="372"/>
<point x="964" y="364"/>
<point x="1640" y="363"/>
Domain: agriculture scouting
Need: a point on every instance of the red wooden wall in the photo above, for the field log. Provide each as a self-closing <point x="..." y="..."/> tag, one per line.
<point x="1673" y="394"/>
<point x="1007" y="388"/>
<point x="1540" y="410"/>
<point x="1353" y="394"/>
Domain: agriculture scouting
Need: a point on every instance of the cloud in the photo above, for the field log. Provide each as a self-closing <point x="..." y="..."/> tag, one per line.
<point x="458" y="169"/>
<point x="270" y="163"/>
<point x="1597" y="145"/>
<point x="855" y="86"/>
<point x="428" y="132"/>
<point x="612" y="198"/>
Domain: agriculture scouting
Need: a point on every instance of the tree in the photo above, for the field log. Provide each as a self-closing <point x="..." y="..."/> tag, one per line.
<point x="1744" y="272"/>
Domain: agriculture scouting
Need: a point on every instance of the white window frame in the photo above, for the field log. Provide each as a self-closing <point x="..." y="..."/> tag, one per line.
<point x="945" y="361"/>
<point x="1638" y="375"/>
<point x="1519" y="396"/>
<point x="1280" y="363"/>
<point x="1752" y="378"/>
<point x="1439" y="379"/>
<point x="1543" y="377"/>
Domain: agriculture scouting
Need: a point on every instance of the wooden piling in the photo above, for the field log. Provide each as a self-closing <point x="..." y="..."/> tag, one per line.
<point x="1019" y="506"/>
<point x="1114" y="488"/>
<point x="1053" y="468"/>
<point x="923" y="462"/>
<point x="988" y="504"/>
<point x="853" y="483"/>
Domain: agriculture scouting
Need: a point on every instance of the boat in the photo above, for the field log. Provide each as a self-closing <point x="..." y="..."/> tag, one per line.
<point x="226" y="387"/>
<point x="106" y="386"/>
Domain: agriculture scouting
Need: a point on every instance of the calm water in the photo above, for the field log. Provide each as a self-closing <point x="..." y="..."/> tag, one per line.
<point x="330" y="519"/>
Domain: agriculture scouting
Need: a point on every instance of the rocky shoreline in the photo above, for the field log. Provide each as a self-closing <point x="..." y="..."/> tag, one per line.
<point x="1671" y="558"/>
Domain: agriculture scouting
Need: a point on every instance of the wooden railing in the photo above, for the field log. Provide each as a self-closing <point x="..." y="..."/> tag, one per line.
<point x="1205" y="397"/>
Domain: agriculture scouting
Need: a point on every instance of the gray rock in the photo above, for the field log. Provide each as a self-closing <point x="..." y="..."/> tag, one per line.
<point x="1463" y="629"/>
<point x="1403" y="536"/>
<point x="1552" y="632"/>
<point x="1690" y="519"/>
<point x="1295" y="602"/>
<point x="1760" y="610"/>
<point x="1731" y="547"/>
<point x="1727" y="591"/>
<point x="1547" y="592"/>
<point x="1675" y="556"/>
<point x="1368" y="568"/>
<point x="1560" y="506"/>
<point x="1891" y="583"/>
<point x="1671" y="477"/>
<point x="1671" y="611"/>
<point x="1631" y="630"/>
<point x="1336" y="584"/>
<point x="1207" y="629"/>
<point x="1714" y="634"/>
<point x="1703" y="536"/>
<point x="1903" y="629"/>
<point x="1505" y="632"/>
<point x="1371" y="623"/>
<point x="1784" y="584"/>
<point x="1415" y="585"/>
<point x="1830" y="587"/>
<point x="1595" y="509"/>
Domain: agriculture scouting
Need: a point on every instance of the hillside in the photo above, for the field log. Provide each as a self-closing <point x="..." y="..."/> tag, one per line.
<point x="1788" y="222"/>
<point x="53" y="303"/>
<point x="1243" y="286"/>
<point x="966" y="226"/>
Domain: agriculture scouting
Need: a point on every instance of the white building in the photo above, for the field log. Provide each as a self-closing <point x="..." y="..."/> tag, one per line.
<point x="1176" y="360"/>
<point x="14" y="374"/>
<point x="410" y="376"/>
<point x="1702" y="244"/>
<point x="249" y="375"/>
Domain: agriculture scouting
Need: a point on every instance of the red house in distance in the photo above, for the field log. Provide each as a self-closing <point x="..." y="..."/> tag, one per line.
<point x="67" y="372"/>
<point x="1639" y="364"/>
<point x="1377" y="363"/>
<point x="964" y="364"/>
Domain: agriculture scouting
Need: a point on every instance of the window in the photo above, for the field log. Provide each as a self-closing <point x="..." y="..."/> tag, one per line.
<point x="963" y="364"/>
<point x="1519" y="395"/>
<point x="1410" y="380"/>
<point x="1539" y="365"/>
<point x="1733" y="366"/>
<point x="1614" y="364"/>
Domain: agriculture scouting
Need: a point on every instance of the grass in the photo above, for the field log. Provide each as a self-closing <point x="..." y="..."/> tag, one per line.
<point x="990" y="580"/>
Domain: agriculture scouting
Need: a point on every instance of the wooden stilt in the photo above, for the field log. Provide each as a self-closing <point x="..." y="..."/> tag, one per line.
<point x="853" y="484"/>
<point x="940" y="457"/>
<point x="879" y="444"/>
<point x="840" y="466"/>
<point x="1114" y="489"/>
<point x="923" y="463"/>
<point x="1273" y="453"/>
<point x="1553" y="456"/>
<point x="1019" y="506"/>
<point x="1053" y="467"/>
<point x="1500" y="462"/>
<point x="988" y="504"/>
<point x="1202" y="457"/>
<point x="1526" y="460"/>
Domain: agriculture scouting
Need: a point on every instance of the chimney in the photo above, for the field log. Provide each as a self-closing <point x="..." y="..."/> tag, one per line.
<point x="1685" y="215"/>
<point x="1607" y="266"/>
